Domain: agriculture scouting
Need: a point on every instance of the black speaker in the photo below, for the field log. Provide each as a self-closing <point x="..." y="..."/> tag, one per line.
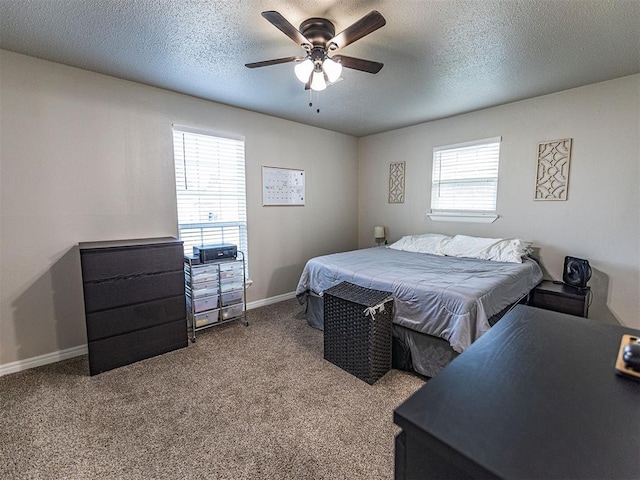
<point x="577" y="272"/>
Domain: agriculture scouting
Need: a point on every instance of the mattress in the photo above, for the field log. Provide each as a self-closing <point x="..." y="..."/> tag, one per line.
<point x="447" y="297"/>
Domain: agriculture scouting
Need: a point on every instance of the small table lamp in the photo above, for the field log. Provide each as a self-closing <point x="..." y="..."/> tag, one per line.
<point x="378" y="233"/>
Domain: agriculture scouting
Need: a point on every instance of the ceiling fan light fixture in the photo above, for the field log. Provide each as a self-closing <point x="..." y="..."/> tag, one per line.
<point x="317" y="81"/>
<point x="303" y="70"/>
<point x="333" y="69"/>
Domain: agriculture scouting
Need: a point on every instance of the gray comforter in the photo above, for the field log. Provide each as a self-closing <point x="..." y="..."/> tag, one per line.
<point x="448" y="297"/>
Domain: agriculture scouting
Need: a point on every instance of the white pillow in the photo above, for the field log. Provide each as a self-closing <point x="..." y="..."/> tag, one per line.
<point x="432" y="243"/>
<point x="496" y="249"/>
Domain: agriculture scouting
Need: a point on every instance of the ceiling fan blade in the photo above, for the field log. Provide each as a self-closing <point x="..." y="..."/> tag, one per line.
<point x="367" y="24"/>
<point x="285" y="27"/>
<point x="275" y="61"/>
<point x="359" y="64"/>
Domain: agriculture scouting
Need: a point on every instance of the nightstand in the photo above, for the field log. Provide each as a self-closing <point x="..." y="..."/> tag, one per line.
<point x="562" y="298"/>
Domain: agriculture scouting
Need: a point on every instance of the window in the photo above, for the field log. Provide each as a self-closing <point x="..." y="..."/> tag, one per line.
<point x="465" y="180"/>
<point x="210" y="189"/>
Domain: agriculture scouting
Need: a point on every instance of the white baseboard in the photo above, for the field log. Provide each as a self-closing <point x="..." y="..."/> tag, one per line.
<point x="47" y="358"/>
<point x="271" y="300"/>
<point x="40" y="360"/>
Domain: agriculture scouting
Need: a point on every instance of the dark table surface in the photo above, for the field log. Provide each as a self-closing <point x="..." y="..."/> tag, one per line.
<point x="536" y="397"/>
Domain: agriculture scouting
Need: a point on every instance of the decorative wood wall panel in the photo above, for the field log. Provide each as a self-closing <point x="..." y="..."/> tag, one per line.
<point x="552" y="174"/>
<point x="396" y="182"/>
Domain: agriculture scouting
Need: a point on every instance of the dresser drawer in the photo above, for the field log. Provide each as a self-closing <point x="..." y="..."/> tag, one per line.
<point x="121" y="292"/>
<point x="116" y="321"/>
<point x="130" y="347"/>
<point x="123" y="262"/>
<point x="557" y="303"/>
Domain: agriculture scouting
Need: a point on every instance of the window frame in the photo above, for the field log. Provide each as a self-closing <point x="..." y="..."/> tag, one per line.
<point x="237" y="228"/>
<point x="465" y="214"/>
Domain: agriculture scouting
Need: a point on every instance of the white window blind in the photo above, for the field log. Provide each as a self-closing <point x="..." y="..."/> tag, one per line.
<point x="465" y="177"/>
<point x="210" y="189"/>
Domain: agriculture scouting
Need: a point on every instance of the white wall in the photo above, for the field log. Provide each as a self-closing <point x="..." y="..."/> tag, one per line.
<point x="88" y="157"/>
<point x="600" y="221"/>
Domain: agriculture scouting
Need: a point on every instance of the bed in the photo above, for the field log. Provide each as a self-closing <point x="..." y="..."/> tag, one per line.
<point x="442" y="302"/>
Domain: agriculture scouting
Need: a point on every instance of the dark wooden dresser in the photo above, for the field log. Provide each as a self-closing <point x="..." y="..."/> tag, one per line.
<point x="535" y="397"/>
<point x="134" y="300"/>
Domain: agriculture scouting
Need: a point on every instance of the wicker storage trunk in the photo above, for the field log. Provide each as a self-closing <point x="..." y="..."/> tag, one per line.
<point x="357" y="330"/>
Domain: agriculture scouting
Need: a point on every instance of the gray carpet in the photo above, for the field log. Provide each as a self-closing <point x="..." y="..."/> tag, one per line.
<point x="242" y="402"/>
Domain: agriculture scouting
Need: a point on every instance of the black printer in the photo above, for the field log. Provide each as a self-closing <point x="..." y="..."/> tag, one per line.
<point x="219" y="251"/>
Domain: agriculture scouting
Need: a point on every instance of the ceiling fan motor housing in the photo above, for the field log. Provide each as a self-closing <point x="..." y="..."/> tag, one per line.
<point x="318" y="31"/>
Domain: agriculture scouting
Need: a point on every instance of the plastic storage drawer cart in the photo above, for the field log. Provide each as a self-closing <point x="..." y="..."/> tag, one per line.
<point x="357" y="330"/>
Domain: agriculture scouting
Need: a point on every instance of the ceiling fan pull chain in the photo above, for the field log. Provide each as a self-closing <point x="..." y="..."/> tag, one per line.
<point x="311" y="99"/>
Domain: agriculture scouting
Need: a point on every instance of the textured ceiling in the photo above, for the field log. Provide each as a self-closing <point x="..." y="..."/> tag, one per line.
<point x="441" y="58"/>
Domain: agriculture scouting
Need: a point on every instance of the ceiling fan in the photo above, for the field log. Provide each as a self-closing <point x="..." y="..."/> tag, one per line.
<point x="317" y="36"/>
